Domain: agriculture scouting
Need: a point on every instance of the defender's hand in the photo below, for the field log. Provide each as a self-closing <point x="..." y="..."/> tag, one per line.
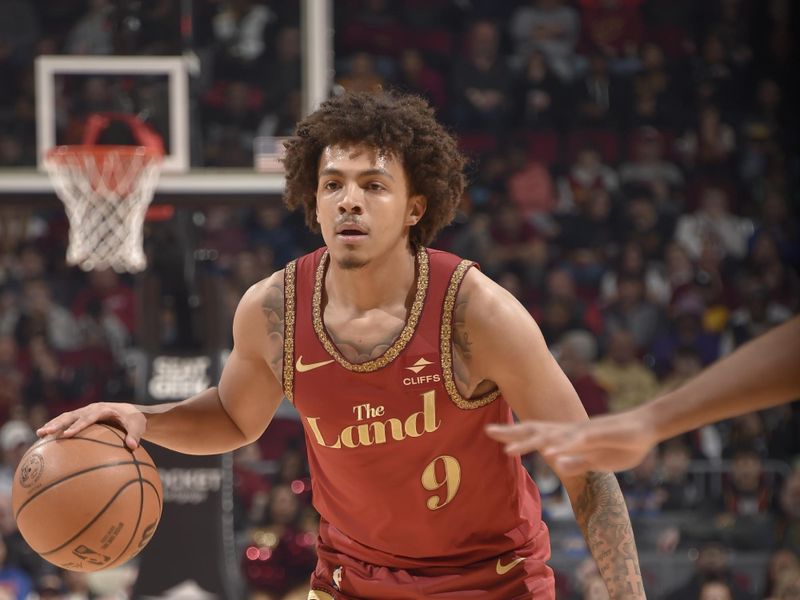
<point x="610" y="443"/>
<point x="126" y="415"/>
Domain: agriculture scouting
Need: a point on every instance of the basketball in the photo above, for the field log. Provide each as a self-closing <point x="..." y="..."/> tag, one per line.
<point x="88" y="502"/>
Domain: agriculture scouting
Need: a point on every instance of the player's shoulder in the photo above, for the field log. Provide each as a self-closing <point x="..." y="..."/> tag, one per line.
<point x="487" y="305"/>
<point x="263" y="297"/>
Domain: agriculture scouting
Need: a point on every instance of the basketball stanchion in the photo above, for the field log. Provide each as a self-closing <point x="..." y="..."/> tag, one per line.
<point x="106" y="191"/>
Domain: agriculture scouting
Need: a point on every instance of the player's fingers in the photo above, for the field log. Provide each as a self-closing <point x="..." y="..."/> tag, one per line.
<point x="517" y="431"/>
<point x="56" y="425"/>
<point x="521" y="447"/>
<point x="134" y="429"/>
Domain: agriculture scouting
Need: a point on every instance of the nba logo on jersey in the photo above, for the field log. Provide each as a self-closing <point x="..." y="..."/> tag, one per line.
<point x="421" y="371"/>
<point x="337" y="577"/>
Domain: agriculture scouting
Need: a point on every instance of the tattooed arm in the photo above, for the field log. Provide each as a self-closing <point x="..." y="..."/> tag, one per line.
<point x="497" y="341"/>
<point x="603" y="517"/>
<point x="221" y="418"/>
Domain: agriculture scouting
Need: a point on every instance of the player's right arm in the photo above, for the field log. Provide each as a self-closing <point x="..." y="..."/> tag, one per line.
<point x="221" y="418"/>
<point x="763" y="373"/>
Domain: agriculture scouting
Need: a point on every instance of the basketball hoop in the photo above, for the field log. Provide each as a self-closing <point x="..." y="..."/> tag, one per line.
<point x="106" y="191"/>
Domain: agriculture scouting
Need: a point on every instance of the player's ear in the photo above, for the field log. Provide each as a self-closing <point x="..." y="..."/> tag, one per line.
<point x="417" y="205"/>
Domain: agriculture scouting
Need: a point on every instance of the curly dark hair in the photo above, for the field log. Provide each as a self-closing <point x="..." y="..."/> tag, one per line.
<point x="400" y="124"/>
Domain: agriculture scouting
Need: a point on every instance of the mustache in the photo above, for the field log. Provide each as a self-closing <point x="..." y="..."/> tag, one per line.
<point x="350" y="220"/>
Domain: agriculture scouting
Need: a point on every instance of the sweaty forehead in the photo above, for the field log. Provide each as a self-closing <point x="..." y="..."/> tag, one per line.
<point x="357" y="156"/>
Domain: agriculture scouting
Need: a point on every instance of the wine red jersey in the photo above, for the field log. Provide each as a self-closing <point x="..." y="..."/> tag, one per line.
<point x="402" y="472"/>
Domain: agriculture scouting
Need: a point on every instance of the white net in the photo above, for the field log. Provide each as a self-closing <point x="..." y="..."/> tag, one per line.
<point x="106" y="191"/>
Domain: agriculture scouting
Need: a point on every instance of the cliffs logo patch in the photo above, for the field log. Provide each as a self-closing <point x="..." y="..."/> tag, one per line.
<point x="31" y="470"/>
<point x="419" y="365"/>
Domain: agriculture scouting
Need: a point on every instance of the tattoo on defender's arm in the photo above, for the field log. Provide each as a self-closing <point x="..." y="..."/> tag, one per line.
<point x="273" y="310"/>
<point x="602" y="515"/>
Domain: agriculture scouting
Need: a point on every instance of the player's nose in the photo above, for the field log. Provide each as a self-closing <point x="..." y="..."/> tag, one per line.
<point x="351" y="200"/>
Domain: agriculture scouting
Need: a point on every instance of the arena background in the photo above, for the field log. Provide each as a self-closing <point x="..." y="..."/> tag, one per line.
<point x="633" y="181"/>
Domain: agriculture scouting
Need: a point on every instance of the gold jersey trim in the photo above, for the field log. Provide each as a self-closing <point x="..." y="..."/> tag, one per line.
<point x="446" y="338"/>
<point x="405" y="335"/>
<point x="288" y="329"/>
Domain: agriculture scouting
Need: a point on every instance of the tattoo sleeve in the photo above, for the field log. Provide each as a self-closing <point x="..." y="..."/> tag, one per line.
<point x="273" y="310"/>
<point x="603" y="517"/>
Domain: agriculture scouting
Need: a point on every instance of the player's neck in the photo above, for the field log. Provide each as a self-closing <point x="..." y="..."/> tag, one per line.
<point x="384" y="281"/>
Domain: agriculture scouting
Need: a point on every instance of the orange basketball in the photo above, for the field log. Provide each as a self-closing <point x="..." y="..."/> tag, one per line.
<point x="87" y="502"/>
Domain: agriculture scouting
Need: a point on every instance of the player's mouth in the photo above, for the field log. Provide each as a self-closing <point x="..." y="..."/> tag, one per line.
<point x="351" y="233"/>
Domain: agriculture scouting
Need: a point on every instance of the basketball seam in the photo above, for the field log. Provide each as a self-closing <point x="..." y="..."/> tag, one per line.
<point x="45" y="442"/>
<point x="76" y="474"/>
<point x="113" y="562"/>
<point x="93" y="521"/>
<point x="138" y="517"/>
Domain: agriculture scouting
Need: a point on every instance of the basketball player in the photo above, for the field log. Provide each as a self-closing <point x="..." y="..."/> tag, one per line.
<point x="762" y="373"/>
<point x="396" y="357"/>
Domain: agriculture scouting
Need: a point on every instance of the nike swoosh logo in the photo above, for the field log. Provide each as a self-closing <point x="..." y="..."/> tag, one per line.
<point x="301" y="368"/>
<point x="503" y="569"/>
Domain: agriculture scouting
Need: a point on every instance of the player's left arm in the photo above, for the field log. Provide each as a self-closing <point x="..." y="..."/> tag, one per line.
<point x="497" y="340"/>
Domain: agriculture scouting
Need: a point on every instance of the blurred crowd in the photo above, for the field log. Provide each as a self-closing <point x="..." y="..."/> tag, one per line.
<point x="633" y="181"/>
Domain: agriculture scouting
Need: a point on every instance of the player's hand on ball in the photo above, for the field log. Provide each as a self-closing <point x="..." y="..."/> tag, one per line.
<point x="125" y="415"/>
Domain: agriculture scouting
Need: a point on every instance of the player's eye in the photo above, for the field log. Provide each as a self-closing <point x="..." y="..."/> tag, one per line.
<point x="374" y="186"/>
<point x="331" y="185"/>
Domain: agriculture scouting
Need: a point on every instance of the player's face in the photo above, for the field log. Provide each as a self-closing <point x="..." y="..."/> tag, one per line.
<point x="363" y="204"/>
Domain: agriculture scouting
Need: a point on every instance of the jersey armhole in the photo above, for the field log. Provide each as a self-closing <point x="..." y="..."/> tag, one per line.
<point x="446" y="339"/>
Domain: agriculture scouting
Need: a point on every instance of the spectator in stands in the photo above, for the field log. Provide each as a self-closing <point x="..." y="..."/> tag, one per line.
<point x="530" y="187"/>
<point x="685" y="330"/>
<point x="416" y="76"/>
<point x="540" y="96"/>
<point x="782" y="226"/>
<point x="715" y="79"/>
<point x="648" y="167"/>
<point x="278" y="555"/>
<point x="587" y="174"/>
<point x="562" y="310"/>
<point x="231" y="121"/>
<point x="513" y="241"/>
<point x="712" y="565"/>
<point x="597" y="96"/>
<point x="11" y="378"/>
<point x="781" y="561"/>
<point x="114" y="295"/>
<point x="747" y="496"/>
<point x="628" y="381"/>
<point x="15" y="583"/>
<point x="550" y="27"/>
<point x="614" y="28"/>
<point x="713" y="223"/>
<point x="715" y="590"/>
<point x="679" y="271"/>
<point x="361" y="75"/>
<point x="41" y="315"/>
<point x="788" y="586"/>
<point x="592" y="227"/>
<point x="632" y="311"/>
<point x="708" y="148"/>
<point x="94" y="33"/>
<point x="788" y="521"/>
<point x="241" y="28"/>
<point x="681" y="492"/>
<point x="481" y="82"/>
<point x="632" y="263"/>
<point x="641" y="486"/>
<point x="576" y="352"/>
<point x="283" y="70"/>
